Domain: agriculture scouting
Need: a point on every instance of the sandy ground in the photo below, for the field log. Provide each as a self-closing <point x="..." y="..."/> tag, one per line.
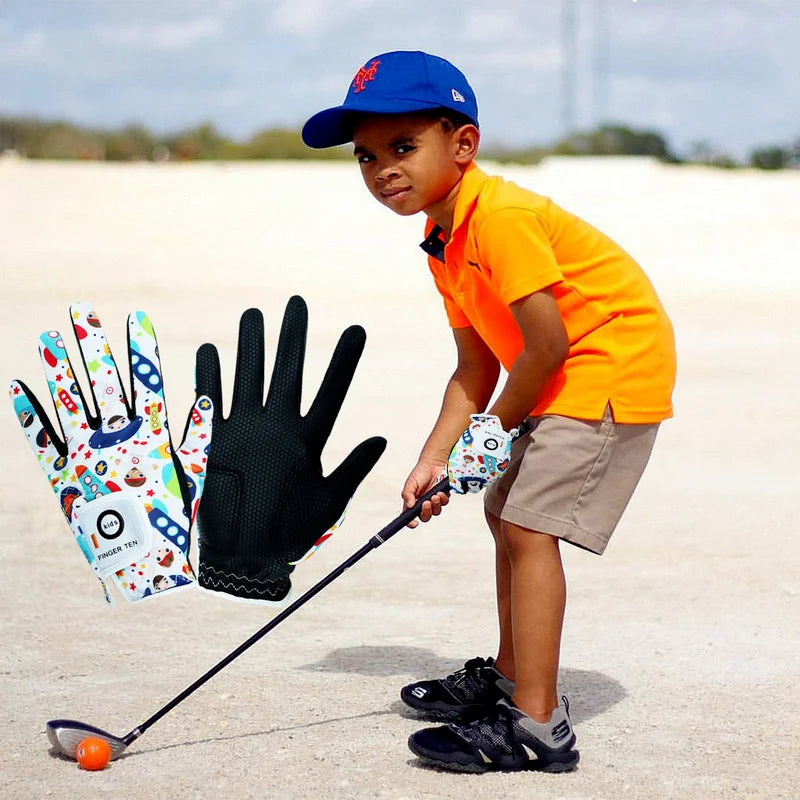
<point x="681" y="644"/>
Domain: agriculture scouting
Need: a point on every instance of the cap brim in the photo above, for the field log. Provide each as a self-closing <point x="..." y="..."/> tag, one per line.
<point x="328" y="128"/>
<point x="334" y="126"/>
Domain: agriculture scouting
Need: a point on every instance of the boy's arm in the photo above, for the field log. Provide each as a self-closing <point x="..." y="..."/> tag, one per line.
<point x="545" y="347"/>
<point x="468" y="391"/>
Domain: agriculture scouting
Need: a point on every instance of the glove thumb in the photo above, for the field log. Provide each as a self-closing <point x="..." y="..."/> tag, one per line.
<point x="193" y="450"/>
<point x="345" y="479"/>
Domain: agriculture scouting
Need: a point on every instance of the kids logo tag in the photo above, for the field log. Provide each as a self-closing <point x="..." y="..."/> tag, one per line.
<point x="365" y="74"/>
<point x="110" y="524"/>
<point x="116" y="533"/>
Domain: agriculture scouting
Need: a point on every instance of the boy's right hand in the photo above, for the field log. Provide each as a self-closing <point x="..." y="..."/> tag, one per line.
<point x="426" y="473"/>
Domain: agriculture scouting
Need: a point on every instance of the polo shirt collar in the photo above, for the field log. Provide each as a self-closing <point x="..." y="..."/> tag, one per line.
<point x="472" y="182"/>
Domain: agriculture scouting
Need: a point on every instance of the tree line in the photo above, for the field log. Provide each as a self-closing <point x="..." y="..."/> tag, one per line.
<point x="57" y="139"/>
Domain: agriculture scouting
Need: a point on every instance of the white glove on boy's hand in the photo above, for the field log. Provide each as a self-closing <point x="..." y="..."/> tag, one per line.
<point x="480" y="456"/>
<point x="129" y="501"/>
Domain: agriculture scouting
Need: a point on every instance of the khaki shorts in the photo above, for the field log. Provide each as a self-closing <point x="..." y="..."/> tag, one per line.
<point x="572" y="478"/>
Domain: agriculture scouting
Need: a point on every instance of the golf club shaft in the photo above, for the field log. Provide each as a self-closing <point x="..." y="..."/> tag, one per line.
<point x="397" y="524"/>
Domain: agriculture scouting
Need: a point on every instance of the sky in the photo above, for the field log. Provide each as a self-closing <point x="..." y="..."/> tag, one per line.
<point x="726" y="72"/>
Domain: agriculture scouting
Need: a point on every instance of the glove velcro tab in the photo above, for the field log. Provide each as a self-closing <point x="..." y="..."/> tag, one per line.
<point x="480" y="456"/>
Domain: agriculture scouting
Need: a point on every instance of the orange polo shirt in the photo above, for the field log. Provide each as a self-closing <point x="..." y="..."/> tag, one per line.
<point x="508" y="242"/>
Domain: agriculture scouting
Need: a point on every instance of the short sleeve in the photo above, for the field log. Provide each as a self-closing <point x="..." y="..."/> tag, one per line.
<point x="515" y="251"/>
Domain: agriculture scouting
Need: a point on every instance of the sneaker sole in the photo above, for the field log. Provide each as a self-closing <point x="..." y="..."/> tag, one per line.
<point x="459" y="762"/>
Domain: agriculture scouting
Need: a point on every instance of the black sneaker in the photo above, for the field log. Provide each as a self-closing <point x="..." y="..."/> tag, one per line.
<point x="468" y="693"/>
<point x="505" y="740"/>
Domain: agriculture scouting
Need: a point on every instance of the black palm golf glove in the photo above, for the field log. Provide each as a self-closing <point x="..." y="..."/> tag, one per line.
<point x="266" y="501"/>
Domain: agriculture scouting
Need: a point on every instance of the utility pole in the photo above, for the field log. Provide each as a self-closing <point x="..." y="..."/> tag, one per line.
<point x="568" y="59"/>
<point x="600" y="70"/>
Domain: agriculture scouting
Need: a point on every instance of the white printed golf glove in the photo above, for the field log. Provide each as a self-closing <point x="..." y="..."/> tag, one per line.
<point x="480" y="456"/>
<point x="130" y="500"/>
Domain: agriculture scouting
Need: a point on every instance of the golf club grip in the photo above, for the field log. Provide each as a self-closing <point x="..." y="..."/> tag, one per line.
<point x="397" y="524"/>
<point x="404" y="517"/>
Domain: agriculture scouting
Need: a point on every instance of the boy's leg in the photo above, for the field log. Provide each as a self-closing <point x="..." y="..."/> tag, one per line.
<point x="537" y="601"/>
<point x="505" y="653"/>
<point x="533" y="731"/>
<point x="531" y="596"/>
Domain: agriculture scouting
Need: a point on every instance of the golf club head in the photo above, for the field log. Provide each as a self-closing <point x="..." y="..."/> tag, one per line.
<point x="66" y="734"/>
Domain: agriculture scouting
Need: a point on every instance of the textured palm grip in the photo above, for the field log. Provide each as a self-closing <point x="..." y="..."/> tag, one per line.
<point x="266" y="500"/>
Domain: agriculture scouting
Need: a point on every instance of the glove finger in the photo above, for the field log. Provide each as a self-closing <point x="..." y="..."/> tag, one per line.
<point x="145" y="366"/>
<point x="106" y="385"/>
<point x="248" y="382"/>
<point x="67" y="396"/>
<point x="207" y="378"/>
<point x="333" y="390"/>
<point x="286" y="385"/>
<point x="193" y="450"/>
<point x="46" y="444"/>
<point x="345" y="479"/>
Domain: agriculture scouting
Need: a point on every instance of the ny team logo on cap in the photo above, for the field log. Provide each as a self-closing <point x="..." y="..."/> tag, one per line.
<point x="409" y="82"/>
<point x="365" y="74"/>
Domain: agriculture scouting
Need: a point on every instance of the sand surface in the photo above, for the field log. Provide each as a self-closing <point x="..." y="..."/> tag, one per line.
<point x="681" y="644"/>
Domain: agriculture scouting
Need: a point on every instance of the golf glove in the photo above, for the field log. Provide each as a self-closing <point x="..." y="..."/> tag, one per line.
<point x="480" y="456"/>
<point x="267" y="502"/>
<point x="128" y="497"/>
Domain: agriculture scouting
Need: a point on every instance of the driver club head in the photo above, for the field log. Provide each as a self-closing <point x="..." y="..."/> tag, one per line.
<point x="66" y="734"/>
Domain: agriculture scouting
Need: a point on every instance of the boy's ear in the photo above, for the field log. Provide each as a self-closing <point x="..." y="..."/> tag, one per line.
<point x="466" y="140"/>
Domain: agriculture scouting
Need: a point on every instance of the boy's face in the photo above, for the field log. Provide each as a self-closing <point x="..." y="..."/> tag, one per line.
<point x="408" y="162"/>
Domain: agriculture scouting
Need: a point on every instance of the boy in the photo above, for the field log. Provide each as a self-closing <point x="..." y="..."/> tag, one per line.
<point x="590" y="358"/>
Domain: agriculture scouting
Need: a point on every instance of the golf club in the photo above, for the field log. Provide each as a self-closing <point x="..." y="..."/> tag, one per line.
<point x="65" y="734"/>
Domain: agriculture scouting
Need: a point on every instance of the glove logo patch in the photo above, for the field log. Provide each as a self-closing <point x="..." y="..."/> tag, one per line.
<point x="110" y="524"/>
<point x="115" y="531"/>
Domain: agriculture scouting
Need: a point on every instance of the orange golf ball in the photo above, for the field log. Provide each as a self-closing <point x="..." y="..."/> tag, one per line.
<point x="93" y="753"/>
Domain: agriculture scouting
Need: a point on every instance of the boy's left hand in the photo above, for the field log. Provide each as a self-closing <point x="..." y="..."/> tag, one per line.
<point x="480" y="456"/>
<point x="426" y="474"/>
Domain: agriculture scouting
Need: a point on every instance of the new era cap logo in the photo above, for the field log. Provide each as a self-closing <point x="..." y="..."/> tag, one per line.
<point x="457" y="96"/>
<point x="365" y="74"/>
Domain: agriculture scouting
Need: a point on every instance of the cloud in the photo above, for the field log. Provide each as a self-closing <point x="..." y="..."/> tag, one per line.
<point x="164" y="36"/>
<point x="313" y="18"/>
<point x="490" y="25"/>
<point x="509" y="61"/>
<point x="24" y="50"/>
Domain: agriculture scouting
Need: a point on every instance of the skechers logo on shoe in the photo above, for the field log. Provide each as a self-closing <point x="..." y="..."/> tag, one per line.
<point x="419" y="692"/>
<point x="561" y="731"/>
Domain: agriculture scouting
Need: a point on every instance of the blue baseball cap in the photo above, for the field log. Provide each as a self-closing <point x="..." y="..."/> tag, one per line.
<point x="399" y="82"/>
